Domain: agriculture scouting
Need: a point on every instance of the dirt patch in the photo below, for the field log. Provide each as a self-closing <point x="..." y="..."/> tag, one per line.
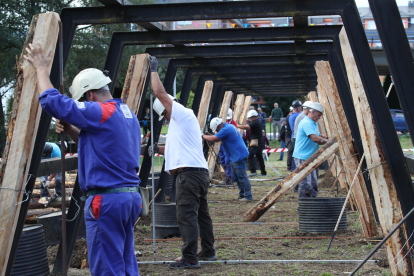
<point x="77" y="256"/>
<point x="281" y="222"/>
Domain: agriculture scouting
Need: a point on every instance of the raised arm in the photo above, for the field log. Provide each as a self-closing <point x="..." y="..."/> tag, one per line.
<point x="158" y="88"/>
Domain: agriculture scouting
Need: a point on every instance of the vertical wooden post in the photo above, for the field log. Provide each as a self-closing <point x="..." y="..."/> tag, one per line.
<point x="205" y="100"/>
<point x="238" y="107"/>
<point x="223" y="114"/>
<point x="340" y="125"/>
<point x="330" y="122"/>
<point x="246" y="106"/>
<point x="135" y="81"/>
<point x="385" y="195"/>
<point x="23" y="124"/>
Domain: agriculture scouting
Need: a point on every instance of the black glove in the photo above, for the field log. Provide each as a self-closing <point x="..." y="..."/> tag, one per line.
<point x="151" y="151"/>
<point x="154" y="64"/>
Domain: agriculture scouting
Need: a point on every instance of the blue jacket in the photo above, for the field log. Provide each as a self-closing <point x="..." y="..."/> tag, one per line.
<point x="109" y="141"/>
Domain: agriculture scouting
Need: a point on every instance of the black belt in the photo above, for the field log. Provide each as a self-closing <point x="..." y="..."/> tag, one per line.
<point x="193" y="170"/>
<point x="132" y="189"/>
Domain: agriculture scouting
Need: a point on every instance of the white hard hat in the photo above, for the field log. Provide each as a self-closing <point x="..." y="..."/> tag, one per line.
<point x="251" y="113"/>
<point x="230" y="114"/>
<point x="215" y="122"/>
<point x="159" y="108"/>
<point x="306" y="104"/>
<point x="88" y="79"/>
<point x="291" y="108"/>
<point x="317" y="107"/>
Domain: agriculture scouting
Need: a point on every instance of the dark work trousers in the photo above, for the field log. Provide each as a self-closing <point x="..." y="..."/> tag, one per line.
<point x="289" y="153"/>
<point x="192" y="214"/>
<point x="256" y="151"/>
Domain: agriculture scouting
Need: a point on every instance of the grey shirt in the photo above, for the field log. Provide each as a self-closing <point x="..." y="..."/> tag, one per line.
<point x="297" y="121"/>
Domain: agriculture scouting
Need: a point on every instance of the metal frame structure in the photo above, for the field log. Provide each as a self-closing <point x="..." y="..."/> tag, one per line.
<point x="73" y="17"/>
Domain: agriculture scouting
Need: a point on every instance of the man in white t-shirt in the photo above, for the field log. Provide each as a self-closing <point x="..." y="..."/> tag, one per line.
<point x="185" y="160"/>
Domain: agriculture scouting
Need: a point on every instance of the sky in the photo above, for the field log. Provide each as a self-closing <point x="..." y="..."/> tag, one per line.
<point x="364" y="3"/>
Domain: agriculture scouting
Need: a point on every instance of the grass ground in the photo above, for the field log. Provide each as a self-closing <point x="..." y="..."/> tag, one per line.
<point x="280" y="221"/>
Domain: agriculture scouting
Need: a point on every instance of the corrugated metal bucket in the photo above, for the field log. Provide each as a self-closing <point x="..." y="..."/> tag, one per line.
<point x="320" y="214"/>
<point x="31" y="257"/>
<point x="166" y="224"/>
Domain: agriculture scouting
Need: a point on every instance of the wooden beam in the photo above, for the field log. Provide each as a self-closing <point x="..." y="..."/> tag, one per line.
<point x="291" y="181"/>
<point x="205" y="100"/>
<point x="331" y="134"/>
<point x="346" y="148"/>
<point x="246" y="106"/>
<point x="385" y="195"/>
<point x="135" y="81"/>
<point x="238" y="107"/>
<point x="216" y="147"/>
<point x="23" y="124"/>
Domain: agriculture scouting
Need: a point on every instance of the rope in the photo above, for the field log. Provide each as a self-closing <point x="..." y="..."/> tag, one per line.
<point x="402" y="249"/>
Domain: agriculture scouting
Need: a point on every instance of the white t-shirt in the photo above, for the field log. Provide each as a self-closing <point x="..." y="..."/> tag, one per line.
<point x="184" y="146"/>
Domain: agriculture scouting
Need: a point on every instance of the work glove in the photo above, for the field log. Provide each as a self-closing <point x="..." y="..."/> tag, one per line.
<point x="47" y="184"/>
<point x="154" y="64"/>
<point x="154" y="150"/>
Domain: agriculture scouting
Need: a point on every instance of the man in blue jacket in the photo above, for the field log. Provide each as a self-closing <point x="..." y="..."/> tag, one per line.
<point x="232" y="141"/>
<point x="97" y="122"/>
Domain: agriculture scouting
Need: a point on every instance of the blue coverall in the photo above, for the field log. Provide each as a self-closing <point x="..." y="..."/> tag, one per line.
<point x="225" y="161"/>
<point x="109" y="153"/>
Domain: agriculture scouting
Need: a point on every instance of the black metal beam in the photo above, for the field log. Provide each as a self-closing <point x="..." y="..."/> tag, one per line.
<point x="266" y="49"/>
<point x="121" y="39"/>
<point x="53" y="165"/>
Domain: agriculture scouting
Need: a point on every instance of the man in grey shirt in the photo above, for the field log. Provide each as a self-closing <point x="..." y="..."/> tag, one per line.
<point x="305" y="111"/>
<point x="276" y="116"/>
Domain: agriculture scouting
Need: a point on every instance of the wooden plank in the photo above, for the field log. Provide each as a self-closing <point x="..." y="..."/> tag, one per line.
<point x="246" y="106"/>
<point x="23" y="124"/>
<point x="204" y="104"/>
<point x="216" y="147"/>
<point x="135" y="81"/>
<point x="385" y="195"/>
<point x="291" y="181"/>
<point x="332" y="131"/>
<point x="238" y="107"/>
<point x="346" y="149"/>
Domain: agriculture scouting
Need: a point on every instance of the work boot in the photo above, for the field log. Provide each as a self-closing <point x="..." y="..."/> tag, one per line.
<point x="240" y="197"/>
<point x="204" y="257"/>
<point x="252" y="174"/>
<point x="183" y="264"/>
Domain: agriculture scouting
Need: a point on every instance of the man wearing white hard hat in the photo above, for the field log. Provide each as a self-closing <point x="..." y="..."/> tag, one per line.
<point x="307" y="143"/>
<point x="184" y="159"/>
<point x="96" y="122"/>
<point x="256" y="142"/>
<point x="232" y="141"/>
